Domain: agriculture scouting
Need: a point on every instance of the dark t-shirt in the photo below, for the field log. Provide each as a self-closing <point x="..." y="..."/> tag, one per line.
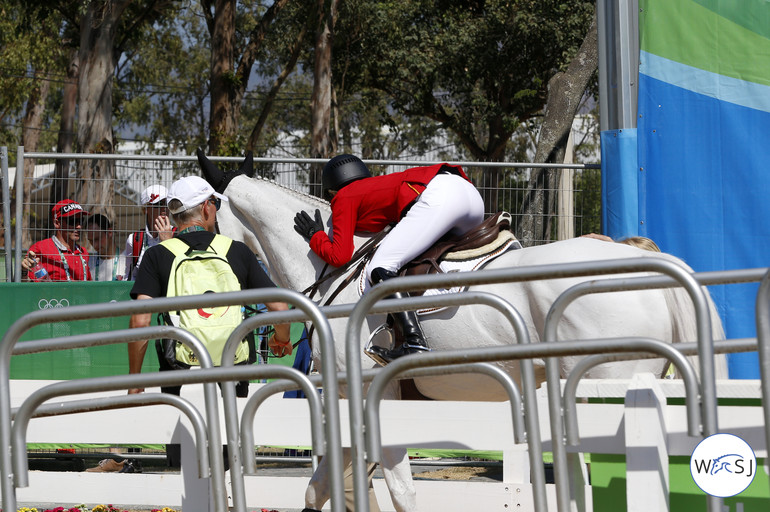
<point x="155" y="270"/>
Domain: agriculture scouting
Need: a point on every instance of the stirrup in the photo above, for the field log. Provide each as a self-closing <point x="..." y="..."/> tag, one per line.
<point x="382" y="355"/>
<point x="386" y="356"/>
<point x="371" y="349"/>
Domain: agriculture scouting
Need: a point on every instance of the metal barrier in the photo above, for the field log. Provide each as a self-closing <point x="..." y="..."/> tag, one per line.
<point x="371" y="303"/>
<point x="411" y="283"/>
<point x="572" y="435"/>
<point x="153" y="306"/>
<point x="122" y="402"/>
<point x="706" y="398"/>
<point x="105" y="338"/>
<point x="763" y="342"/>
<point x="705" y="351"/>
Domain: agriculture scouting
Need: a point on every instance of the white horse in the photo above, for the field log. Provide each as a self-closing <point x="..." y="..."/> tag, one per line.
<point x="260" y="212"/>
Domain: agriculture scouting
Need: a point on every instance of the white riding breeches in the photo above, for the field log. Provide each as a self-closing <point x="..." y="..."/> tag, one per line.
<point x="449" y="204"/>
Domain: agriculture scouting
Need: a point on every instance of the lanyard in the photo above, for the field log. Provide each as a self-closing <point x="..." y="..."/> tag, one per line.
<point x="67" y="267"/>
<point x="191" y="229"/>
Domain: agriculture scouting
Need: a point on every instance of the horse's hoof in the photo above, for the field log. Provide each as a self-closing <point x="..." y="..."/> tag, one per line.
<point x="384" y="356"/>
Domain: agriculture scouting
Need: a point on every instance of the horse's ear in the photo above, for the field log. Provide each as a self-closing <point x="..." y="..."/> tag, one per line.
<point x="210" y="171"/>
<point x="247" y="167"/>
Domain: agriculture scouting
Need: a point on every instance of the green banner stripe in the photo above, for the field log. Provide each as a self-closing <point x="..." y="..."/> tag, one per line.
<point x="752" y="14"/>
<point x="686" y="32"/>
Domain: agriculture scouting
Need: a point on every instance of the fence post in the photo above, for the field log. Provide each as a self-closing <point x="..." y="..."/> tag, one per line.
<point x="6" y="212"/>
<point x="19" y="212"/>
<point x="647" y="480"/>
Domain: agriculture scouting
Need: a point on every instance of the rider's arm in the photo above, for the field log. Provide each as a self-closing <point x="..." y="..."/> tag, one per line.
<point x="338" y="249"/>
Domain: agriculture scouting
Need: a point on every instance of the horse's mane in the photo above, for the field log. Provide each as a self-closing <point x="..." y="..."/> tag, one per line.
<point x="314" y="200"/>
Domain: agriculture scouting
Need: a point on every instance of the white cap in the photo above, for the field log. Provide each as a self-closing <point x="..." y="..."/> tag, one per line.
<point x="191" y="191"/>
<point x="154" y="194"/>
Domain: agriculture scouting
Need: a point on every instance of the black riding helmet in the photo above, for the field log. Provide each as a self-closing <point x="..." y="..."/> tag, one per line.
<point x="341" y="170"/>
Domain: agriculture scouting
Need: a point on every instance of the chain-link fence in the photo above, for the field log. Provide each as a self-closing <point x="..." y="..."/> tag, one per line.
<point x="114" y="190"/>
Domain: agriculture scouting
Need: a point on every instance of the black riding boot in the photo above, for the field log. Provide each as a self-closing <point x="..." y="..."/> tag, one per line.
<point x="404" y="322"/>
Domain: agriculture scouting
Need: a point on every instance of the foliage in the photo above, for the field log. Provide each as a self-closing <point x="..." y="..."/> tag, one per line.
<point x="164" y="88"/>
<point x="31" y="50"/>
<point x="462" y="78"/>
<point x="478" y="68"/>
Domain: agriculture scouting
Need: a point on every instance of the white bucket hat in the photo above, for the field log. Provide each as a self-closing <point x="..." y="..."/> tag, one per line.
<point x="191" y="191"/>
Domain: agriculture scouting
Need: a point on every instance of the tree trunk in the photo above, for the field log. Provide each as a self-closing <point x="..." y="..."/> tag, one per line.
<point x="565" y="90"/>
<point x="222" y="76"/>
<point x="30" y="136"/>
<point x="273" y="93"/>
<point x="97" y="66"/>
<point x="228" y="81"/>
<point x="66" y="139"/>
<point x="321" y="100"/>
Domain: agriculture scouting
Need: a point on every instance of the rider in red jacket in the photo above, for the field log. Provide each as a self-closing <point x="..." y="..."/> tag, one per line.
<point x="424" y="203"/>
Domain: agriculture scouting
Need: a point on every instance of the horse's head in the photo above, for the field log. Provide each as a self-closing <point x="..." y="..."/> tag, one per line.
<point x="260" y="212"/>
<point x="220" y="179"/>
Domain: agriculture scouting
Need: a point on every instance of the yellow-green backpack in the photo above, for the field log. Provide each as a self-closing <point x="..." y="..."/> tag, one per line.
<point x="196" y="272"/>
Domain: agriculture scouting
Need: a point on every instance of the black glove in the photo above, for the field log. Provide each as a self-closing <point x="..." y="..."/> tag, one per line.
<point x="306" y="226"/>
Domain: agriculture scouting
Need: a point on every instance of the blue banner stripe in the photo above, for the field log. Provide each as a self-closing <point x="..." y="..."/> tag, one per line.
<point x="703" y="164"/>
<point x="714" y="85"/>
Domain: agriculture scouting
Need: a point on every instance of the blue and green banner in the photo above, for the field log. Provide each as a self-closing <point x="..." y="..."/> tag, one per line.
<point x="703" y="150"/>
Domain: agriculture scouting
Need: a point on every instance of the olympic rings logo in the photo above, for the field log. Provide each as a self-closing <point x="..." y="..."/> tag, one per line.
<point x="52" y="303"/>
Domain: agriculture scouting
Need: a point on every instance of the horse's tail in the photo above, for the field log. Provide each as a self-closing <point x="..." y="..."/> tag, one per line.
<point x="686" y="329"/>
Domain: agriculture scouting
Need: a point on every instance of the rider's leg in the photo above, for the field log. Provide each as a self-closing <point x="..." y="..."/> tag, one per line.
<point x="405" y="322"/>
<point x="449" y="204"/>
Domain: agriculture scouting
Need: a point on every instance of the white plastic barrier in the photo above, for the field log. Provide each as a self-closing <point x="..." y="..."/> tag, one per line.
<point x="646" y="434"/>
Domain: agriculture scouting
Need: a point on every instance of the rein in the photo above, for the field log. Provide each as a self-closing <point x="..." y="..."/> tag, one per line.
<point x="361" y="254"/>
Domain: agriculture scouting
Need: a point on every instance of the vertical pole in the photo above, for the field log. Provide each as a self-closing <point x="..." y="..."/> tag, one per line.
<point x="6" y="213"/>
<point x="618" y="27"/>
<point x="565" y="227"/>
<point x="19" y="186"/>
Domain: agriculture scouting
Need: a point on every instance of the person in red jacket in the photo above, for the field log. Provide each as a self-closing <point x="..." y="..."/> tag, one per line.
<point x="424" y="203"/>
<point x="62" y="255"/>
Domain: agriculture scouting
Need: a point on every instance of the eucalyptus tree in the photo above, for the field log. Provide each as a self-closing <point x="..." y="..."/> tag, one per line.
<point x="478" y="68"/>
<point x="32" y="54"/>
<point x="237" y="31"/>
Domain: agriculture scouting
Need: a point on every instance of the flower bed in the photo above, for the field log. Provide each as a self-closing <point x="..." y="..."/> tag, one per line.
<point x="97" y="508"/>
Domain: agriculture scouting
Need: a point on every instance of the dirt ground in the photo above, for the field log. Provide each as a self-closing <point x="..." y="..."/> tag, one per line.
<point x="461" y="473"/>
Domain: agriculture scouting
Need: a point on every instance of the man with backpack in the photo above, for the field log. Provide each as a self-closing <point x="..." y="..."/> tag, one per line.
<point x="157" y="228"/>
<point x="195" y="261"/>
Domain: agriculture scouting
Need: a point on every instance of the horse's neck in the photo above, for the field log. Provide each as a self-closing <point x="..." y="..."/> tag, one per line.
<point x="266" y="213"/>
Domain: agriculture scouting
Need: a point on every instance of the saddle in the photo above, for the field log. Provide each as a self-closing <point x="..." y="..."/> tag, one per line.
<point x="486" y="238"/>
<point x="470" y="251"/>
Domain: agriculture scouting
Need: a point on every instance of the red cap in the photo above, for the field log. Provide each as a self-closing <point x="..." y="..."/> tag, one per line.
<point x="67" y="208"/>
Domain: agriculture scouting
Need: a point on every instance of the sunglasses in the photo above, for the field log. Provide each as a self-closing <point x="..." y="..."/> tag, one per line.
<point x="217" y="202"/>
<point x="72" y="222"/>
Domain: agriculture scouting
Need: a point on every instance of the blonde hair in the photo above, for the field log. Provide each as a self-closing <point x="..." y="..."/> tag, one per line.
<point x="641" y="242"/>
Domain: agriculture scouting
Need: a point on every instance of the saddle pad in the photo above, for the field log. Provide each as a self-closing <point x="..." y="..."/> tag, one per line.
<point x="462" y="261"/>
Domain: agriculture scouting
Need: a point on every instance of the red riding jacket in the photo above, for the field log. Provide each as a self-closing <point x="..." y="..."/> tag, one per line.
<point x="369" y="205"/>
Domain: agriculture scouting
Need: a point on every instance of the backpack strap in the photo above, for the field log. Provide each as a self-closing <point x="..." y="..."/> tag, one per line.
<point x="176" y="246"/>
<point x="220" y="245"/>
<point x="136" y="247"/>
